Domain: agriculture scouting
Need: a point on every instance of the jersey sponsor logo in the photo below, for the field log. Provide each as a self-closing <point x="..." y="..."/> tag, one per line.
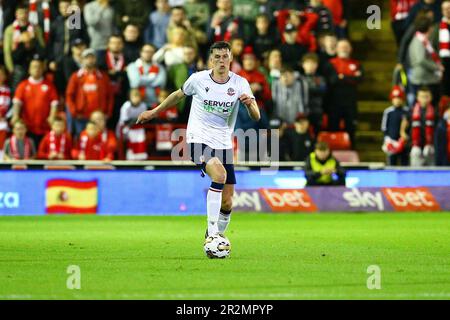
<point x="288" y="200"/>
<point x="230" y="92"/>
<point x="217" y="106"/>
<point x="364" y="199"/>
<point x="411" y="199"/>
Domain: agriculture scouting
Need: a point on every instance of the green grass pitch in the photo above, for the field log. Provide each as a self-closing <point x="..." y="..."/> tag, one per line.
<point x="274" y="256"/>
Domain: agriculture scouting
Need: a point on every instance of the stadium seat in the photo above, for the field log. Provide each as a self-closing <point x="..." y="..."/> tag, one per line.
<point x="336" y="140"/>
<point x="346" y="156"/>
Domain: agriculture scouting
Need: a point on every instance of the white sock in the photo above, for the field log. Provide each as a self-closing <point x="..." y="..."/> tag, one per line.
<point x="213" y="204"/>
<point x="224" y="220"/>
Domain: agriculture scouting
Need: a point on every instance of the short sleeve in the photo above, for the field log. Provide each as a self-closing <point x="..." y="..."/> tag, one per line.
<point x="19" y="94"/>
<point x="246" y="88"/>
<point x="190" y="85"/>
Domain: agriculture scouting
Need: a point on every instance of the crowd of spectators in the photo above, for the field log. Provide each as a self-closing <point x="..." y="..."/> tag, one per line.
<point x="417" y="126"/>
<point x="75" y="74"/>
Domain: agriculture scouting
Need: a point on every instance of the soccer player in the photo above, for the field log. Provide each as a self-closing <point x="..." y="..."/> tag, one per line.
<point x="216" y="96"/>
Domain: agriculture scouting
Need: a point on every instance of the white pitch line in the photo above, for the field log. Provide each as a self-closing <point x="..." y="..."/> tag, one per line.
<point x="163" y="296"/>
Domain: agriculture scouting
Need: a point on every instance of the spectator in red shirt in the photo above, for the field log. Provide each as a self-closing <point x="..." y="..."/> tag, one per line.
<point x="343" y="94"/>
<point x="107" y="136"/>
<point x="88" y="90"/>
<point x="19" y="146"/>
<point x="5" y="101"/>
<point x="422" y="129"/>
<point x="339" y="13"/>
<point x="36" y="102"/>
<point x="91" y="146"/>
<point x="256" y="79"/>
<point x="57" y="144"/>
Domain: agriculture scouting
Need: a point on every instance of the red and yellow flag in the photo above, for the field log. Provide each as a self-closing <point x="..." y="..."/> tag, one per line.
<point x="70" y="196"/>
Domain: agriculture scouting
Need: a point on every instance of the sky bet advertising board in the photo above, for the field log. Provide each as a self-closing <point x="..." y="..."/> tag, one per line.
<point x="177" y="192"/>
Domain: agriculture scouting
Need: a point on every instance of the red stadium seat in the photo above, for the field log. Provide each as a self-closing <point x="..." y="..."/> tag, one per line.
<point x="336" y="140"/>
<point x="346" y="156"/>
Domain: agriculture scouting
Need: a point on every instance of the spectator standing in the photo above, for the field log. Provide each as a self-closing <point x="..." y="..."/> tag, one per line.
<point x="99" y="17"/>
<point x="133" y="137"/>
<point x="426" y="66"/>
<point x="325" y="19"/>
<point x="62" y="35"/>
<point x="107" y="136"/>
<point x="172" y="52"/>
<point x="22" y="41"/>
<point x="156" y="31"/>
<point x="422" y="129"/>
<point x="317" y="88"/>
<point x="89" y="90"/>
<point x="444" y="46"/>
<point x="343" y="91"/>
<point x="258" y="82"/>
<point x="132" y="43"/>
<point x="339" y="11"/>
<point x="264" y="38"/>
<point x="36" y="102"/>
<point x="442" y="138"/>
<point x="57" y="144"/>
<point x="178" y="19"/>
<point x="291" y="51"/>
<point x="179" y="73"/>
<point x="133" y="12"/>
<point x="274" y="65"/>
<point x="296" y="142"/>
<point x="91" y="146"/>
<point x="393" y="126"/>
<point x="290" y="96"/>
<point x="223" y="25"/>
<point x="114" y="63"/>
<point x="399" y="14"/>
<point x="433" y="5"/>
<point x="19" y="146"/>
<point x="5" y="102"/>
<point x="147" y="76"/>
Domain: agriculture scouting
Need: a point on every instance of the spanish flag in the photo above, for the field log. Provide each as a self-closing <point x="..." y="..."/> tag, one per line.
<point x="70" y="196"/>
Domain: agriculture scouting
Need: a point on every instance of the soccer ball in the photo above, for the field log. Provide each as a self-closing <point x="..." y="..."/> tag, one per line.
<point x="217" y="246"/>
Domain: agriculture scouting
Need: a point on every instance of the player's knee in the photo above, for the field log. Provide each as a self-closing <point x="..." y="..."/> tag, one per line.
<point x="216" y="171"/>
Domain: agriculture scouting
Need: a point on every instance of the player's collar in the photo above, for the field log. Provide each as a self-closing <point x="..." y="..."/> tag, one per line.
<point x="210" y="75"/>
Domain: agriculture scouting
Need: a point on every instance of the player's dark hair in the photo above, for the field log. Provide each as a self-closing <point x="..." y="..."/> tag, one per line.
<point x="322" y="146"/>
<point x="219" y="45"/>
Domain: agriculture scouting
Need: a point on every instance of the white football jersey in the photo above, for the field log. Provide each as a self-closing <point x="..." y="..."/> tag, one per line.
<point x="214" y="108"/>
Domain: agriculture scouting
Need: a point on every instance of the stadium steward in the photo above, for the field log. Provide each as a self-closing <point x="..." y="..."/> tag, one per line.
<point x="322" y="169"/>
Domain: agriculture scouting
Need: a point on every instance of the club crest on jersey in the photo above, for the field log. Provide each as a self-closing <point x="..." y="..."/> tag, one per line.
<point x="231" y="92"/>
<point x="207" y="89"/>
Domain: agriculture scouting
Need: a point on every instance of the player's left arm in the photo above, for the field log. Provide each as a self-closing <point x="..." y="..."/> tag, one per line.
<point x="252" y="106"/>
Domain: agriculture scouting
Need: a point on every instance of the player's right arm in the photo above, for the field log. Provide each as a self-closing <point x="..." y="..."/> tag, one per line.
<point x="171" y="100"/>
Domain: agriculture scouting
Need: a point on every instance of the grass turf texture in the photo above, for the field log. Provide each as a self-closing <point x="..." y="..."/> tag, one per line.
<point x="273" y="257"/>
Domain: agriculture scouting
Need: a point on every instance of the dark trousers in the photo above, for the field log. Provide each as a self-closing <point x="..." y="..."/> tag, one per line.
<point x="36" y="139"/>
<point x="401" y="159"/>
<point x="399" y="29"/>
<point x="446" y="79"/>
<point x="349" y="114"/>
